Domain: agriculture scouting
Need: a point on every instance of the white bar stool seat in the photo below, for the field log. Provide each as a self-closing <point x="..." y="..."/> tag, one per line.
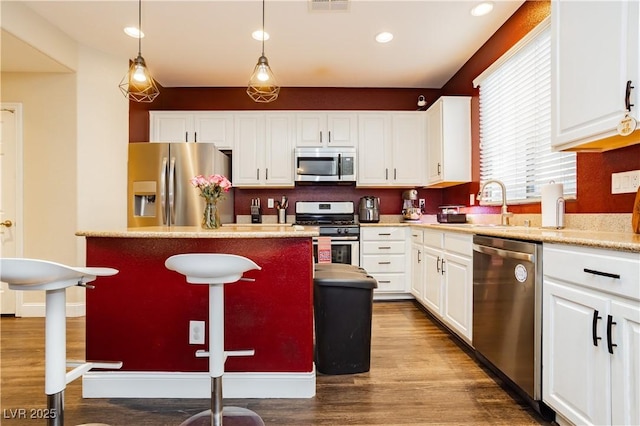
<point x="216" y="270"/>
<point x="54" y="278"/>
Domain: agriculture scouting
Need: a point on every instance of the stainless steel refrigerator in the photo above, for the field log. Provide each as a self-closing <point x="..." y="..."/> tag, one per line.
<point x="159" y="192"/>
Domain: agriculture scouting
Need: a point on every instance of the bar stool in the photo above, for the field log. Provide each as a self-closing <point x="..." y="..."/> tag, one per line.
<point x="216" y="270"/>
<point x="54" y="278"/>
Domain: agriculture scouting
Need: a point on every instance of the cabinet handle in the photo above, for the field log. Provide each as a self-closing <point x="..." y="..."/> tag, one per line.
<point x="329" y="136"/>
<point x="419" y="259"/>
<point x="439" y="169"/>
<point x="384" y="263"/>
<point x="384" y="234"/>
<point x="384" y="282"/>
<point x="386" y="174"/>
<point x="266" y="174"/>
<point x="395" y="174"/>
<point x="186" y="136"/>
<point x="320" y="136"/>
<point x="195" y="136"/>
<point x="610" y="343"/>
<point x="627" y="97"/>
<point x="257" y="174"/>
<point x="594" y="328"/>
<point x="442" y="271"/>
<point x="438" y="264"/>
<point x="602" y="274"/>
<point x="384" y="247"/>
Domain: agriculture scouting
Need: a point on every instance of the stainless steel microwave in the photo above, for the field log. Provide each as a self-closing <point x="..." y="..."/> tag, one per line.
<point x="325" y="164"/>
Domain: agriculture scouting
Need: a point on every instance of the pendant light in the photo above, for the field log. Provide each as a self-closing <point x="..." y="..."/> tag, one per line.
<point x="137" y="84"/>
<point x="262" y="83"/>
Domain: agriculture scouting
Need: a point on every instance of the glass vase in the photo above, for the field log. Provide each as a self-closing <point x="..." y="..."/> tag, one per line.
<point x="211" y="215"/>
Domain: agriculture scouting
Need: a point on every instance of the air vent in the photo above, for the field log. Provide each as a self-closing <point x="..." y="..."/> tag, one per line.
<point x="328" y="5"/>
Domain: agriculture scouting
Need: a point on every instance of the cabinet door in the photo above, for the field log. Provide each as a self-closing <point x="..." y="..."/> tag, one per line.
<point x="342" y="129"/>
<point x="591" y="68"/>
<point x="433" y="280"/>
<point x="170" y="127"/>
<point x="309" y="129"/>
<point x="576" y="377"/>
<point x="457" y="309"/>
<point x="216" y="128"/>
<point x="408" y="142"/>
<point x="374" y="140"/>
<point x="248" y="152"/>
<point x="417" y="271"/>
<point x="279" y="149"/>
<point x="434" y="142"/>
<point x="625" y="363"/>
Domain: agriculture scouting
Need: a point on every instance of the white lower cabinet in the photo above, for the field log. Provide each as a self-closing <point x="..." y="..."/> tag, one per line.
<point x="383" y="254"/>
<point x="591" y="332"/>
<point x="448" y="281"/>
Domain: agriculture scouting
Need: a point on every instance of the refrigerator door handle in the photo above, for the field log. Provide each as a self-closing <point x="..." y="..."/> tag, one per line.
<point x="172" y="207"/>
<point x="163" y="190"/>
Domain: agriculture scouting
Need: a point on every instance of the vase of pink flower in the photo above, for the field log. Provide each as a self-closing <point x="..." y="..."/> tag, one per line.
<point x="212" y="188"/>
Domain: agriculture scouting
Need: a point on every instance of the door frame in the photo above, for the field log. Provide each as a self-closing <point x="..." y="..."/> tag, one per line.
<point x="19" y="207"/>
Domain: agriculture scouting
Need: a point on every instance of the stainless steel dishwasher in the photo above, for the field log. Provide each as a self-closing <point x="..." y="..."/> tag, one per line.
<point x="507" y="314"/>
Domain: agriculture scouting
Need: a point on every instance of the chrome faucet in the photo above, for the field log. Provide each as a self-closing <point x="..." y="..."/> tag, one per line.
<point x="505" y="214"/>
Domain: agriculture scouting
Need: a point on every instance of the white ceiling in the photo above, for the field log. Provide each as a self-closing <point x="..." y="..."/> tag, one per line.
<point x="209" y="44"/>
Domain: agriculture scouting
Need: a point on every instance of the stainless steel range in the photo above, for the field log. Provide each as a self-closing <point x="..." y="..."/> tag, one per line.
<point x="336" y="221"/>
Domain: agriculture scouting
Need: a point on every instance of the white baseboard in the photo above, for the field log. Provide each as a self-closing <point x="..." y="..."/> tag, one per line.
<point x="136" y="384"/>
<point x="38" y="310"/>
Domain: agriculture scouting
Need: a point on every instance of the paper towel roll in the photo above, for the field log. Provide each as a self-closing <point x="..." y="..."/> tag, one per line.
<point x="553" y="205"/>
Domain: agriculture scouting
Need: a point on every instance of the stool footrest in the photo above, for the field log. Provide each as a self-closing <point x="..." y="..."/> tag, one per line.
<point x="81" y="367"/>
<point x="205" y="354"/>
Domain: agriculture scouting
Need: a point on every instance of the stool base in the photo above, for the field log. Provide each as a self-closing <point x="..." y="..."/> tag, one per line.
<point x="55" y="404"/>
<point x="231" y="416"/>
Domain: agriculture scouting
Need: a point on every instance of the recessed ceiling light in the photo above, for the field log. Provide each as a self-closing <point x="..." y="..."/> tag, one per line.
<point x="133" y="32"/>
<point x="384" y="37"/>
<point x="258" y="34"/>
<point x="482" y="8"/>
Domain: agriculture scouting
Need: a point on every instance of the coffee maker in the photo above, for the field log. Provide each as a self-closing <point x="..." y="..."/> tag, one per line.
<point x="369" y="209"/>
<point x="410" y="212"/>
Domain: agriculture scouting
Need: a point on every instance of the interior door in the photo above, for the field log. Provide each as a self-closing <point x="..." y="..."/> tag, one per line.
<point x="11" y="199"/>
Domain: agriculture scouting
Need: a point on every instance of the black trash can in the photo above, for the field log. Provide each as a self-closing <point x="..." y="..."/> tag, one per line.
<point x="338" y="267"/>
<point x="343" y="305"/>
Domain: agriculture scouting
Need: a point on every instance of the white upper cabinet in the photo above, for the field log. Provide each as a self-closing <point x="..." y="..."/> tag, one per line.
<point x="391" y="149"/>
<point x="321" y="129"/>
<point x="263" y="152"/>
<point x="189" y="126"/>
<point x="595" y="53"/>
<point x="449" y="141"/>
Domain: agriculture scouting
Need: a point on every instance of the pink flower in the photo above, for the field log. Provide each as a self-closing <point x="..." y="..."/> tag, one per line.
<point x="211" y="187"/>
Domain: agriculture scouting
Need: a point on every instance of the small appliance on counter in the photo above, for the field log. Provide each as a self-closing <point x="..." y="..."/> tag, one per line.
<point x="256" y="211"/>
<point x="369" y="209"/>
<point x="410" y="212"/>
<point x="451" y="214"/>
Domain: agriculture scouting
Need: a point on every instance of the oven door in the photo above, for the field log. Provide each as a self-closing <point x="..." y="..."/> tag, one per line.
<point x="343" y="250"/>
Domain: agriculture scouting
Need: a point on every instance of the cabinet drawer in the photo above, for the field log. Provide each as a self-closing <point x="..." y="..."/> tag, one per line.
<point x="374" y="263"/>
<point x="382" y="233"/>
<point x="417" y="236"/>
<point x="433" y="239"/>
<point x="383" y="247"/>
<point x="390" y="282"/>
<point x="458" y="243"/>
<point x="611" y="271"/>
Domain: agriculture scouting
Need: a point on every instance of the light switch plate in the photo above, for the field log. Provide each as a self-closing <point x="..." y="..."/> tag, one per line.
<point x="625" y="182"/>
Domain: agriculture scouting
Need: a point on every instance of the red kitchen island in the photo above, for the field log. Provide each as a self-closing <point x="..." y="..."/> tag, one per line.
<point x="141" y="315"/>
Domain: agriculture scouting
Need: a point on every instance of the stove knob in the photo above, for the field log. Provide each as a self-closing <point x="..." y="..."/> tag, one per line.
<point x="346" y="230"/>
<point x="339" y="230"/>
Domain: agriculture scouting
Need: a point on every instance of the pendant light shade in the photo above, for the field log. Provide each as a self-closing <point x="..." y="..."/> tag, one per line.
<point x="263" y="87"/>
<point x="137" y="84"/>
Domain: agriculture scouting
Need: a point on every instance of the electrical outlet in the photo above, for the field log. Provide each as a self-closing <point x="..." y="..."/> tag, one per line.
<point x="422" y="204"/>
<point x="472" y="199"/>
<point x="625" y="182"/>
<point x="270" y="203"/>
<point x="196" y="332"/>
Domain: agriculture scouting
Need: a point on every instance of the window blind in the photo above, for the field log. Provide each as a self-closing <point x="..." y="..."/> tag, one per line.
<point x="515" y="124"/>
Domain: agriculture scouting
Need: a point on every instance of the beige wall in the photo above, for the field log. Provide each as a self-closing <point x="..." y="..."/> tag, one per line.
<point x="75" y="147"/>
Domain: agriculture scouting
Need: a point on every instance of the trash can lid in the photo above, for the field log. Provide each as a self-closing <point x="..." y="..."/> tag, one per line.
<point x="339" y="267"/>
<point x="344" y="279"/>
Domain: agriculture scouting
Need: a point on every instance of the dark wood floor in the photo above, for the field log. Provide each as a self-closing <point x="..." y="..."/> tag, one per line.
<point x="419" y="376"/>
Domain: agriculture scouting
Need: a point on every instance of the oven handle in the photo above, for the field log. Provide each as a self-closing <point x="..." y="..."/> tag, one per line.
<point x="492" y="251"/>
<point x="354" y="238"/>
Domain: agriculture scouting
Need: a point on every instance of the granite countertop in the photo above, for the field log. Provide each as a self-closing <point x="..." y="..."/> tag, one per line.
<point x="226" y="231"/>
<point x="624" y="241"/>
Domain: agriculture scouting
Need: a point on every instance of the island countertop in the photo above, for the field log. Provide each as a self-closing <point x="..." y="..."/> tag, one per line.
<point x="226" y="231"/>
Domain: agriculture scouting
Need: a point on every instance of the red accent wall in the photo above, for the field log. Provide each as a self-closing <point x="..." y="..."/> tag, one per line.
<point x="594" y="170"/>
